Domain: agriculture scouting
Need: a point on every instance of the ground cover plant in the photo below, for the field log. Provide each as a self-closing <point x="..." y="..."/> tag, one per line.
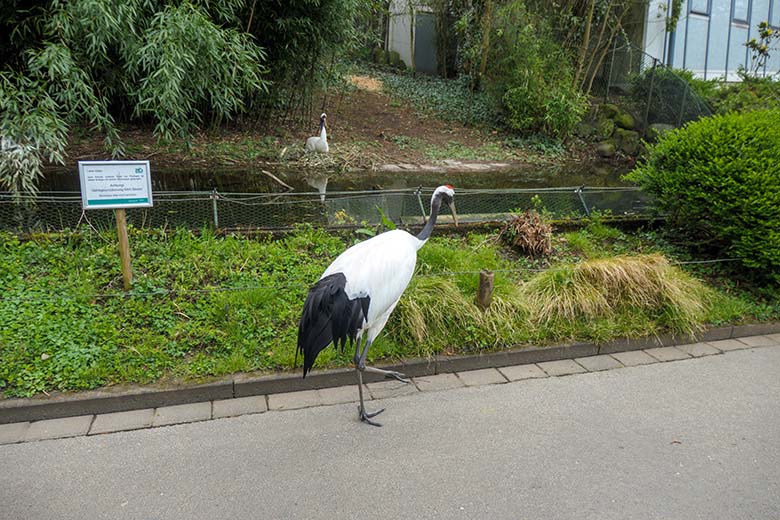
<point x="204" y="305"/>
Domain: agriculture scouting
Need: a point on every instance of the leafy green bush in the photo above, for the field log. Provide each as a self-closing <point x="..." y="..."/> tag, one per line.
<point x="749" y="94"/>
<point x="719" y="181"/>
<point x="531" y="74"/>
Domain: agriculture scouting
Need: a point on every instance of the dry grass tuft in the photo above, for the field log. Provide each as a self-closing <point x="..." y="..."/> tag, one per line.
<point x="603" y="287"/>
<point x="436" y="315"/>
<point x="366" y="83"/>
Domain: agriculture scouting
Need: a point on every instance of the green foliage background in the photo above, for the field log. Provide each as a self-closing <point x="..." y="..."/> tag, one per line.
<point x="179" y="66"/>
<point x="531" y="73"/>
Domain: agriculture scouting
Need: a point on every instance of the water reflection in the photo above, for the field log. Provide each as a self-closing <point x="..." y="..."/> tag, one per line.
<point x="319" y="182"/>
<point x="231" y="180"/>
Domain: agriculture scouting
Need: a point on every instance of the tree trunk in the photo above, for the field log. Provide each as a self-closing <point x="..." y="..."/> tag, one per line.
<point x="486" y="24"/>
<point x="411" y="35"/>
<point x="585" y="43"/>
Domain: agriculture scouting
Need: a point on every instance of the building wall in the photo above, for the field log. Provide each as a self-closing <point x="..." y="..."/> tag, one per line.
<point x="399" y="37"/>
<point x="710" y="36"/>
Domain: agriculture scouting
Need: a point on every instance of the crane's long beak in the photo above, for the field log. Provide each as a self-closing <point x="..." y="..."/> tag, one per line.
<point x="454" y="215"/>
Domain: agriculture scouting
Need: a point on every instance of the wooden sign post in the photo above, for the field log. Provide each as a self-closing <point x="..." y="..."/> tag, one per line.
<point x="117" y="185"/>
<point x="124" y="248"/>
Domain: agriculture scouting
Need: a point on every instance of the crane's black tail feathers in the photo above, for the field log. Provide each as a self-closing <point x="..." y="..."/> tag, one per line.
<point x="329" y="316"/>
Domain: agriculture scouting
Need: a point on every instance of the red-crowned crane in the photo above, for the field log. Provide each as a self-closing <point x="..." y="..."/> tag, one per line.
<point x="357" y="293"/>
<point x="318" y="143"/>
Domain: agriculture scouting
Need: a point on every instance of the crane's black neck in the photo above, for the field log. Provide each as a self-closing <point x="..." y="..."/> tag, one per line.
<point x="428" y="229"/>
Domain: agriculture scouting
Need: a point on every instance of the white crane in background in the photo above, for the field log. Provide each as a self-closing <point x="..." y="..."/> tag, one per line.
<point x="318" y="143"/>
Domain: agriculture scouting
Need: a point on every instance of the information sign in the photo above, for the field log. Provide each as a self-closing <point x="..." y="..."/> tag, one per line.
<point x="115" y="184"/>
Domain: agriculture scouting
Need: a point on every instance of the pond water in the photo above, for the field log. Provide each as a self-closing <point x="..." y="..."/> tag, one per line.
<point x="228" y="180"/>
<point x="253" y="199"/>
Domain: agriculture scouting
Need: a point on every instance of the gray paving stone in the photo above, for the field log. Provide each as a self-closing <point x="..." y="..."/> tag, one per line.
<point x="520" y="372"/>
<point x="634" y="358"/>
<point x="438" y="382"/>
<point x="340" y="394"/>
<point x="727" y="344"/>
<point x="122" y="421"/>
<point x="14" y="432"/>
<point x="385" y="389"/>
<point x="182" y="413"/>
<point x="294" y="400"/>
<point x="239" y="406"/>
<point x="698" y="349"/>
<point x="484" y="376"/>
<point x="667" y="353"/>
<point x="59" y="428"/>
<point x="757" y="341"/>
<point x="774" y="337"/>
<point x="599" y="363"/>
<point x="562" y="367"/>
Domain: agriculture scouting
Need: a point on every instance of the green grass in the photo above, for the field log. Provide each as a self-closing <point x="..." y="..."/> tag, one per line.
<point x="205" y="305"/>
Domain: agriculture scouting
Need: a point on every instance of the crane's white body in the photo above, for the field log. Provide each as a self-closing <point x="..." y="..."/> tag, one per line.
<point x="356" y="294"/>
<point x="381" y="268"/>
<point x="318" y="143"/>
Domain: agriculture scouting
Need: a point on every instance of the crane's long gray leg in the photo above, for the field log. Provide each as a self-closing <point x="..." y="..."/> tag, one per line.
<point x="359" y="367"/>
<point x="361" y="364"/>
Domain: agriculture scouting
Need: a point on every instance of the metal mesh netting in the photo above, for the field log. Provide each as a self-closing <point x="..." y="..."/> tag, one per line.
<point x="61" y="211"/>
<point x="660" y="93"/>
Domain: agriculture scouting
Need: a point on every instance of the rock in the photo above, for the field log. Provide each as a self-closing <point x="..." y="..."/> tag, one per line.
<point x="609" y="111"/>
<point x="394" y="59"/>
<point x="628" y="141"/>
<point x="604" y="128"/>
<point x="584" y="130"/>
<point x="624" y="120"/>
<point x="656" y="130"/>
<point x="606" y="149"/>
<point x="380" y="56"/>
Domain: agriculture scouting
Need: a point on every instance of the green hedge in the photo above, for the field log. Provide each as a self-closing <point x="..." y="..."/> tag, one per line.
<point x="719" y="180"/>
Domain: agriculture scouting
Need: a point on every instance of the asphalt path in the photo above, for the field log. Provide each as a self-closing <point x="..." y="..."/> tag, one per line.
<point x="683" y="440"/>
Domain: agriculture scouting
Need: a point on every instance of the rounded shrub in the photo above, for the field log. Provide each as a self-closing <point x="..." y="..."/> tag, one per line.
<point x="718" y="179"/>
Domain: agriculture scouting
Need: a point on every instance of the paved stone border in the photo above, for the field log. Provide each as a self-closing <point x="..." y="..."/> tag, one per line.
<point x="96" y="424"/>
<point x="246" y="385"/>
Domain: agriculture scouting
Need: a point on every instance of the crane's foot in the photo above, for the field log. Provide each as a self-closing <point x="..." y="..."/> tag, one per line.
<point x="391" y="374"/>
<point x="366" y="417"/>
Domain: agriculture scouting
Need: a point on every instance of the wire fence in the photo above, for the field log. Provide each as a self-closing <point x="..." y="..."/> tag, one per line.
<point x="657" y="92"/>
<point x="293" y="284"/>
<point x="60" y="211"/>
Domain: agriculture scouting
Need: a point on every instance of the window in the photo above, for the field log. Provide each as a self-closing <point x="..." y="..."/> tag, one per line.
<point x="740" y="11"/>
<point x="774" y="13"/>
<point x="700" y="7"/>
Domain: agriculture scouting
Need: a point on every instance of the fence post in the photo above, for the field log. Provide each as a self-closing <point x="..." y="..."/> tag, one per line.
<point x="485" y="290"/>
<point x="611" y="66"/>
<point x="578" y="191"/>
<point x="214" y="197"/>
<point x="649" y="98"/>
<point x="682" y="106"/>
<point x="418" y="192"/>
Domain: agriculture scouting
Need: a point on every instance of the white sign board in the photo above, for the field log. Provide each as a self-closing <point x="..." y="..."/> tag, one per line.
<point x="115" y="184"/>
